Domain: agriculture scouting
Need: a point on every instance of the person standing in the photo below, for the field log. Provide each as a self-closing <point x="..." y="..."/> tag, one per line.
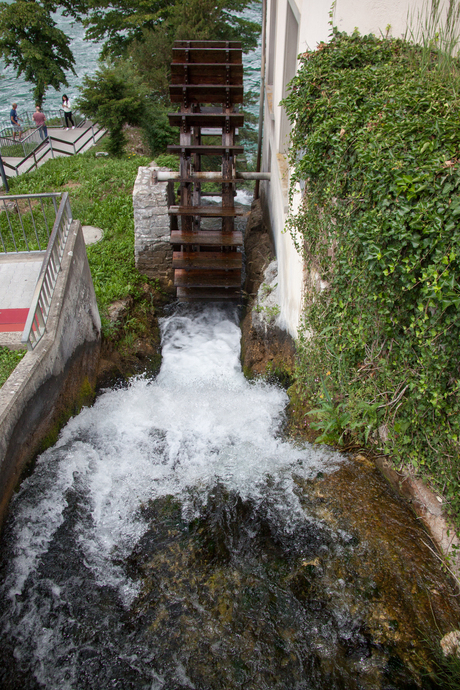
<point x="67" y="112"/>
<point x="39" y="119"/>
<point x="15" y="120"/>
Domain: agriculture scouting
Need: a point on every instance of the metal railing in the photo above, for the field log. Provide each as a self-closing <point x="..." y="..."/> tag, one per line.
<point x="41" y="302"/>
<point x="51" y="146"/>
<point x="26" y="221"/>
<point x="54" y="118"/>
<point x="22" y="148"/>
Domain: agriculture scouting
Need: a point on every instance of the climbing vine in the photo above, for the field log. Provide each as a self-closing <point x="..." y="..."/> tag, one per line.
<point x="376" y="152"/>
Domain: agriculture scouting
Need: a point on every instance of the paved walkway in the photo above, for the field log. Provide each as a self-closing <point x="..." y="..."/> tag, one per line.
<point x="18" y="277"/>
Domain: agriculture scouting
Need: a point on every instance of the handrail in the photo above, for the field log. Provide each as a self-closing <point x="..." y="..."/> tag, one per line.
<point x="27" y="119"/>
<point x="94" y="129"/>
<point x="25" y="222"/>
<point x="31" y="154"/>
<point x="35" y="138"/>
<point x="41" y="302"/>
<point x="38" y="195"/>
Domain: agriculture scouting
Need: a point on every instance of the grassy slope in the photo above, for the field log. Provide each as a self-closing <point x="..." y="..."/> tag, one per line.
<point x="100" y="192"/>
<point x="8" y="361"/>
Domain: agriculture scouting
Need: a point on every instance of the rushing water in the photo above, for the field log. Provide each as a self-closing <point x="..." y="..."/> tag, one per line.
<point x="86" y="55"/>
<point x="172" y="540"/>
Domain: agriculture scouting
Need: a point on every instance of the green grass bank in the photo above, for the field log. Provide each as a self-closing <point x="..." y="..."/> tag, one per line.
<point x="100" y="191"/>
<point x="376" y="151"/>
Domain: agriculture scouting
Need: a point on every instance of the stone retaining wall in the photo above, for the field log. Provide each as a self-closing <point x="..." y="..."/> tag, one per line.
<point x="152" y="249"/>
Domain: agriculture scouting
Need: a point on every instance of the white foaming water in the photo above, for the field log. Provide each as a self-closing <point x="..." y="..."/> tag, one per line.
<point x="198" y="424"/>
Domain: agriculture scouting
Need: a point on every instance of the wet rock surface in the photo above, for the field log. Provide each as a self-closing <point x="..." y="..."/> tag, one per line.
<point x="133" y="345"/>
<point x="265" y="347"/>
<point x="351" y="598"/>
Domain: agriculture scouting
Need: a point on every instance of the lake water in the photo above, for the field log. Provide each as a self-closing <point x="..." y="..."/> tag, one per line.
<point x="86" y="54"/>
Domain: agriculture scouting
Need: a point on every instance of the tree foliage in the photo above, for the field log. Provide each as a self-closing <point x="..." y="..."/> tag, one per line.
<point x="123" y="23"/>
<point x="32" y="43"/>
<point x="139" y="39"/>
<point x="375" y="146"/>
<point x="138" y="34"/>
<point x="114" y="99"/>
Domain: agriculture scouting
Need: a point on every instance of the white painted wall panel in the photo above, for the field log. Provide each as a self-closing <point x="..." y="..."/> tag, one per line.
<point x="369" y="16"/>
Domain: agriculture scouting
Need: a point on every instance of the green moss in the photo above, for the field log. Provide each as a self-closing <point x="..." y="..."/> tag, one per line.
<point x="279" y="373"/>
<point x="84" y="397"/>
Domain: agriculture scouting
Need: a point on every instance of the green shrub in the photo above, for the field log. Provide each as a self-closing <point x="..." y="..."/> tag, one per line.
<point x="157" y="131"/>
<point x="167" y="160"/>
<point x="376" y="149"/>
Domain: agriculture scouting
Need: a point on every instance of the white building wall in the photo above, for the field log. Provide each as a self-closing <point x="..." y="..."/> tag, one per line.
<point x="313" y="19"/>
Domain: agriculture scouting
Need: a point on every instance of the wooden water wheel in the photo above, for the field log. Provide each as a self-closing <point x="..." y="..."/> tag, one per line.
<point x="207" y="81"/>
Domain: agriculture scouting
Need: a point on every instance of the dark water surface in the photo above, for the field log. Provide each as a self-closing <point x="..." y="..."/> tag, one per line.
<point x="172" y="539"/>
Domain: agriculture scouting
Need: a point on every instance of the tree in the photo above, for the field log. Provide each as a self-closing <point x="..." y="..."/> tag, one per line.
<point x="139" y="38"/>
<point x="124" y="22"/>
<point x="32" y="43"/>
<point x="114" y="98"/>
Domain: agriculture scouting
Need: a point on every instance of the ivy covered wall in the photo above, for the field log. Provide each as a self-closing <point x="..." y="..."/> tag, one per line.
<point x="376" y="148"/>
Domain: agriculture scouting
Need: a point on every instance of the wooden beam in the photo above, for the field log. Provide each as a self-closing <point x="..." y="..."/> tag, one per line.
<point x="206" y="119"/>
<point x="205" y="150"/>
<point x="188" y="294"/>
<point x="209" y="260"/>
<point x="206" y="211"/>
<point x="205" y="93"/>
<point x="207" y="279"/>
<point x="208" y="238"/>
<point x="210" y="56"/>
<point x="196" y="73"/>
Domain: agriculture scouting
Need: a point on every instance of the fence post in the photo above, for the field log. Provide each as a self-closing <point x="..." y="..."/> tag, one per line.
<point x="51" y="147"/>
<point x="3" y="174"/>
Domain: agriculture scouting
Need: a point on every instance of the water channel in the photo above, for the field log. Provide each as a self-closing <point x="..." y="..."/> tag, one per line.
<point x="173" y="538"/>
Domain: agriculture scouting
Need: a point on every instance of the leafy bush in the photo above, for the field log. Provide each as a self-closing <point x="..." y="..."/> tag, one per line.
<point x="157" y="131"/>
<point x="376" y="150"/>
<point x="167" y="160"/>
<point x="113" y="97"/>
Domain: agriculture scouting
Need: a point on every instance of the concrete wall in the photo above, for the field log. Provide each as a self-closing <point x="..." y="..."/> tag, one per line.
<point x="152" y="230"/>
<point x="52" y="380"/>
<point x="294" y="26"/>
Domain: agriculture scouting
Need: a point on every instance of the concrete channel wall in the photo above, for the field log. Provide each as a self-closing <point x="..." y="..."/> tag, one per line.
<point x="53" y="380"/>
